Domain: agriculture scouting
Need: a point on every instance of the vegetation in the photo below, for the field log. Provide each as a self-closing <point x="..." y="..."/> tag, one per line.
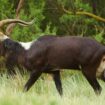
<point x="77" y="91"/>
<point x="50" y="18"/>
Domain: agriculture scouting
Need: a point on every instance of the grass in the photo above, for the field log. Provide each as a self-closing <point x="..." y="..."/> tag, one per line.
<point x="77" y="91"/>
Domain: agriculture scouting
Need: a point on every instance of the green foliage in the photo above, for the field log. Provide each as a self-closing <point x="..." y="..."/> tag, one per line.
<point x="31" y="32"/>
<point x="100" y="37"/>
<point x="6" y="9"/>
<point x="80" y="5"/>
<point x="66" y="24"/>
<point x="50" y="19"/>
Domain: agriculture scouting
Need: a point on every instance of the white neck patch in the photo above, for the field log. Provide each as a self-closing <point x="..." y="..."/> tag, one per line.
<point x="26" y="45"/>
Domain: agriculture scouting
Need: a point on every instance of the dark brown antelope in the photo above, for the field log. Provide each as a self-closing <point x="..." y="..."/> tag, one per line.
<point x="50" y="54"/>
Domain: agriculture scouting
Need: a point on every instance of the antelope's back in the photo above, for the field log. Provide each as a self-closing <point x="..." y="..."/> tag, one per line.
<point x="69" y="51"/>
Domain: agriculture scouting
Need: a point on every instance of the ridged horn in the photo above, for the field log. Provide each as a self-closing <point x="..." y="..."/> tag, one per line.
<point x="21" y="22"/>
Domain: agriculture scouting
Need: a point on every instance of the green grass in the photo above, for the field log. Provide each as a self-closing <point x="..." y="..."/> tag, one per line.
<point x="77" y="91"/>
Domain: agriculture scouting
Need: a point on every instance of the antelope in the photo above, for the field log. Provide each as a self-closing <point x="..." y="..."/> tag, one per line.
<point x="51" y="54"/>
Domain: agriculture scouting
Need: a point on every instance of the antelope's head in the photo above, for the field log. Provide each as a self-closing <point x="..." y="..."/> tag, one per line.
<point x="3" y="36"/>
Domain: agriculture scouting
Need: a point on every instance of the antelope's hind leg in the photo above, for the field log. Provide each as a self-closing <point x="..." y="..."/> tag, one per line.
<point x="91" y="77"/>
<point x="57" y="80"/>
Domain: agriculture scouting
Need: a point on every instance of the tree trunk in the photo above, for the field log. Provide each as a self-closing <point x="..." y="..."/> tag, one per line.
<point x="11" y="26"/>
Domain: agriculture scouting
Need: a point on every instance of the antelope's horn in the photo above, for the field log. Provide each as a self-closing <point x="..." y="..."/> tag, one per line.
<point x="21" y="22"/>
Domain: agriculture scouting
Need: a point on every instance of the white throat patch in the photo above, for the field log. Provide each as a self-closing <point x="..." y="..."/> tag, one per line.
<point x="26" y="45"/>
<point x="101" y="67"/>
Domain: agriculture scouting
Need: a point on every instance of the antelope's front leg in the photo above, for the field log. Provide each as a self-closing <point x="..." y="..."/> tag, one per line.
<point x="33" y="77"/>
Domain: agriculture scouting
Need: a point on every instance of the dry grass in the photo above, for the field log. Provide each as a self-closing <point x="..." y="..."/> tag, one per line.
<point x="77" y="91"/>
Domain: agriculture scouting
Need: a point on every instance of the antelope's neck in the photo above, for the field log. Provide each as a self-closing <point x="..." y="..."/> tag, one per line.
<point x="26" y="45"/>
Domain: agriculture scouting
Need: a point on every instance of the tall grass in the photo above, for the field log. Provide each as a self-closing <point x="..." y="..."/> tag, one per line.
<point x="77" y="91"/>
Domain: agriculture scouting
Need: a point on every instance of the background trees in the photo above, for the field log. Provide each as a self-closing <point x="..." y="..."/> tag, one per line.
<point x="50" y="18"/>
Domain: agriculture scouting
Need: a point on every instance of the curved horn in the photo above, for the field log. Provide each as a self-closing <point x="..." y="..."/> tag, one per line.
<point x="21" y="22"/>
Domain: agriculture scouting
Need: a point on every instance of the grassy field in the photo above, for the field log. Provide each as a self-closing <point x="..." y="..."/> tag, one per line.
<point x="77" y="91"/>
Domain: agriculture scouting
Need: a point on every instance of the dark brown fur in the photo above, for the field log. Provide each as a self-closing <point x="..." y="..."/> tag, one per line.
<point x="50" y="54"/>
